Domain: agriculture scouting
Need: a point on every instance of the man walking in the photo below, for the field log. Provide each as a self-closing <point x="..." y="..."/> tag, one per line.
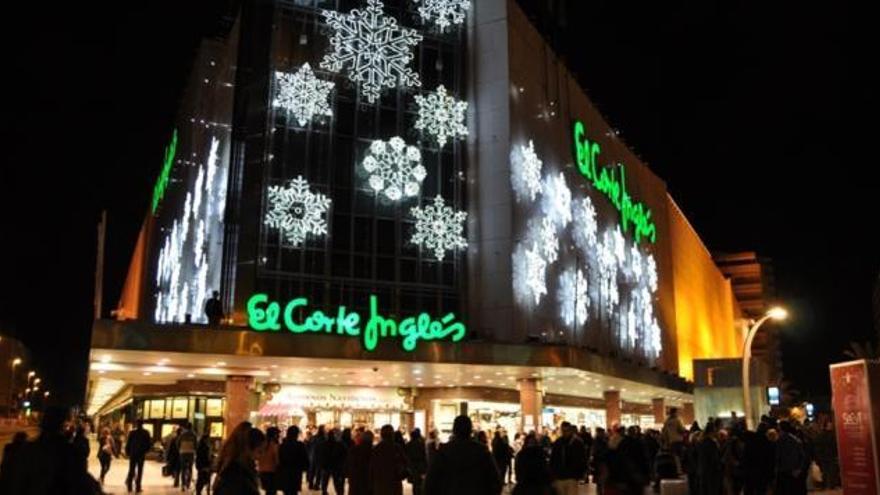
<point x="568" y="461"/>
<point x="136" y="447"/>
<point x="186" y="450"/>
<point x="462" y="466"/>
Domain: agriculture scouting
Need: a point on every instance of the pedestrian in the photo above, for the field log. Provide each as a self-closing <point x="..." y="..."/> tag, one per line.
<point x="388" y="466"/>
<point x="236" y="465"/>
<point x="172" y="456"/>
<point x="204" y="462"/>
<point x="532" y="472"/>
<point x="462" y="466"/>
<point x="633" y="468"/>
<point x="502" y="454"/>
<point x="432" y="446"/>
<point x="732" y="453"/>
<point x="790" y="462"/>
<point x="690" y="462"/>
<point x="568" y="461"/>
<point x="81" y="447"/>
<point x="12" y="454"/>
<point x="136" y="447"/>
<point x="759" y="458"/>
<point x="106" y="451"/>
<point x="483" y="439"/>
<point x="214" y="309"/>
<point x="293" y="461"/>
<point x="331" y="462"/>
<point x="313" y="444"/>
<point x="357" y="465"/>
<point x="826" y="455"/>
<point x="709" y="467"/>
<point x="186" y="454"/>
<point x="599" y="459"/>
<point x="417" y="461"/>
<point x="267" y="461"/>
<point x="673" y="433"/>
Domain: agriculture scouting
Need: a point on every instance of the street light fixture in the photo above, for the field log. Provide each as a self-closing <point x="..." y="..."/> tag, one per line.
<point x="776" y="313"/>
<point x="15" y="362"/>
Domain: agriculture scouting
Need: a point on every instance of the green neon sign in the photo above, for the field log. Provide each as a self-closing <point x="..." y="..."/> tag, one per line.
<point x="265" y="315"/>
<point x="611" y="181"/>
<point x="165" y="175"/>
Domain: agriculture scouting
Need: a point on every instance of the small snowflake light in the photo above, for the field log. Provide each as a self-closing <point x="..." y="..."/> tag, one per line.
<point x="651" y="272"/>
<point x="373" y="50"/>
<point x="395" y="168"/>
<point x="557" y="199"/>
<point x="585" y="225"/>
<point x="439" y="228"/>
<point x="619" y="246"/>
<point x="443" y="13"/>
<point x="636" y="264"/>
<point x="549" y="240"/>
<point x="573" y="298"/>
<point x="525" y="174"/>
<point x="297" y="212"/>
<point x="441" y="116"/>
<point x="303" y="95"/>
<point x="535" y="274"/>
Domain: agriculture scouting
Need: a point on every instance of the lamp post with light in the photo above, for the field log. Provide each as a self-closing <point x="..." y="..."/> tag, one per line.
<point x="777" y="314"/>
<point x="15" y="362"/>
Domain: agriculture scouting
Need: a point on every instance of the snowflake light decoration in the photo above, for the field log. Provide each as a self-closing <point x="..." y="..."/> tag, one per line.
<point x="572" y="296"/>
<point x="441" y="116"/>
<point x="525" y="174"/>
<point x="557" y="199"/>
<point x="586" y="227"/>
<point x="535" y="273"/>
<point x="372" y="49"/>
<point x="608" y="270"/>
<point x="544" y="233"/>
<point x="443" y="12"/>
<point x="395" y="168"/>
<point x="619" y="246"/>
<point x="636" y="264"/>
<point x="651" y="272"/>
<point x="297" y="211"/>
<point x="303" y="95"/>
<point x="439" y="227"/>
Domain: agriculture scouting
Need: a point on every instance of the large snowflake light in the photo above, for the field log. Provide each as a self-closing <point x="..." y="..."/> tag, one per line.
<point x="608" y="270"/>
<point x="525" y="174"/>
<point x="441" y="116"/>
<point x="586" y="227"/>
<point x="557" y="199"/>
<point x="439" y="228"/>
<point x="443" y="12"/>
<point x="373" y="50"/>
<point x="297" y="211"/>
<point x="395" y="168"/>
<point x="529" y="273"/>
<point x="573" y="298"/>
<point x="535" y="273"/>
<point x="303" y="95"/>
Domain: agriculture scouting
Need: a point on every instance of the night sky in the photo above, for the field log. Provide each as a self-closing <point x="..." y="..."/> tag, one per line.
<point x="761" y="117"/>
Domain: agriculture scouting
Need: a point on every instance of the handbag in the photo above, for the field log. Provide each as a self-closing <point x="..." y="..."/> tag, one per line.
<point x="815" y="473"/>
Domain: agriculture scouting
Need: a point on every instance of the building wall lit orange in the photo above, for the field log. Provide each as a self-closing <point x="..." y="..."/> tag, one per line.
<point x="705" y="308"/>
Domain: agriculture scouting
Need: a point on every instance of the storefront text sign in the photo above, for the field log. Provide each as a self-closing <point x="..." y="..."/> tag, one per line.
<point x="266" y="315"/>
<point x="611" y="181"/>
<point x="350" y="398"/>
<point x="855" y="426"/>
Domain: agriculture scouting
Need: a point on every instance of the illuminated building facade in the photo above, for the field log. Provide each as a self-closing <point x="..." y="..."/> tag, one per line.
<point x="406" y="230"/>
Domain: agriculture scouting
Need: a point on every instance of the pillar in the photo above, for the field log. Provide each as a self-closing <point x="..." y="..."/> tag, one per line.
<point x="531" y="404"/>
<point x="237" y="401"/>
<point x="659" y="407"/>
<point x="687" y="414"/>
<point x="612" y="408"/>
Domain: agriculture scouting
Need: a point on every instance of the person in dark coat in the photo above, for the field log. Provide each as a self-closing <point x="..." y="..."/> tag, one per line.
<point x="172" y="456"/>
<point x="532" y="472"/>
<point x="236" y="466"/>
<point x="759" y="457"/>
<point x="357" y="465"/>
<point x="502" y="453"/>
<point x="293" y="461"/>
<point x="81" y="447"/>
<point x="599" y="459"/>
<point x="432" y="446"/>
<point x="710" y="470"/>
<point x="388" y="466"/>
<point x="791" y="462"/>
<point x="313" y="445"/>
<point x="568" y="461"/>
<point x="463" y="466"/>
<point x="417" y="461"/>
<point x="214" y="309"/>
<point x="331" y="459"/>
<point x="691" y="464"/>
<point x="136" y="447"/>
<point x="204" y="462"/>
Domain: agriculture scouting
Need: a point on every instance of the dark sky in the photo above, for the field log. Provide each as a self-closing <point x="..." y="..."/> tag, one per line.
<point x="760" y="115"/>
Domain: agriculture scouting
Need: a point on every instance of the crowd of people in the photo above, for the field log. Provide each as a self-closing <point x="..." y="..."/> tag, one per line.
<point x="721" y="457"/>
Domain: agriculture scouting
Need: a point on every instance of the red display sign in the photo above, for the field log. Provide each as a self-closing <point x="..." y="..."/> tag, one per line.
<point x="855" y="427"/>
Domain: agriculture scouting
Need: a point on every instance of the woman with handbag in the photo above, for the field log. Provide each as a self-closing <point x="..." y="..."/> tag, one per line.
<point x="106" y="451"/>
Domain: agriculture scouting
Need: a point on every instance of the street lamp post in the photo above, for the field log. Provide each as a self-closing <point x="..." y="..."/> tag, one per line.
<point x="15" y="362"/>
<point x="774" y="314"/>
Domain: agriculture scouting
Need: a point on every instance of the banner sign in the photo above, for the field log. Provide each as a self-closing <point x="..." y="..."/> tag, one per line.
<point x="855" y="427"/>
